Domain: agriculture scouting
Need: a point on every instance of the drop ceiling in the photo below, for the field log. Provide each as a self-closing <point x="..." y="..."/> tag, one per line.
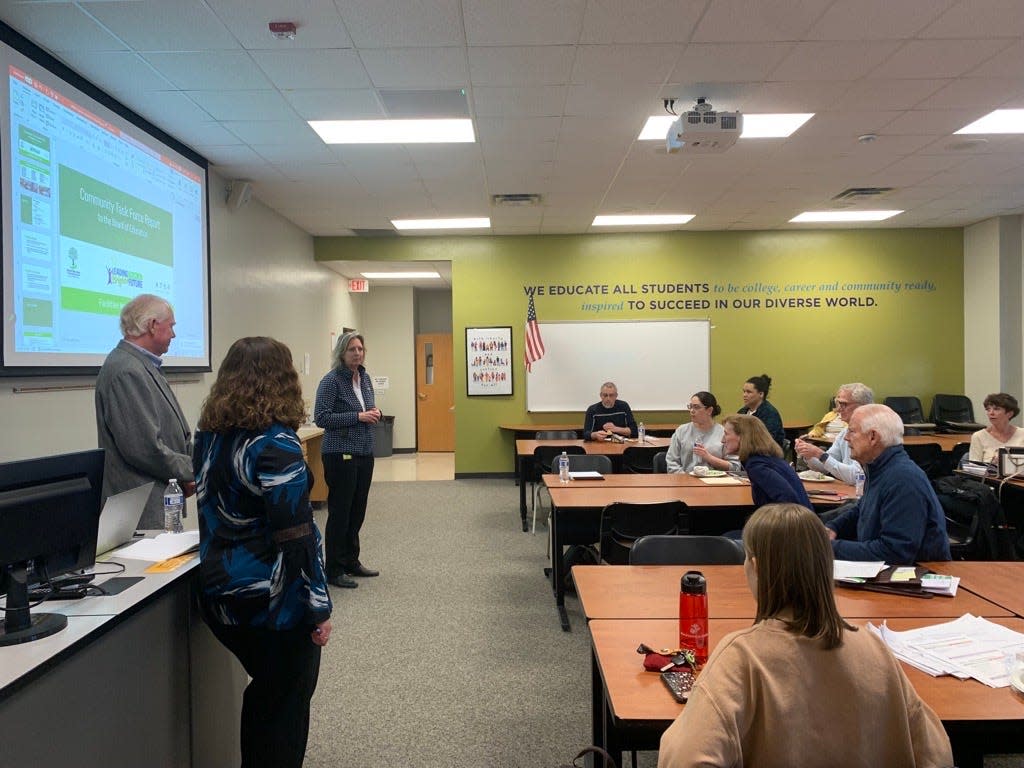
<point x="558" y="92"/>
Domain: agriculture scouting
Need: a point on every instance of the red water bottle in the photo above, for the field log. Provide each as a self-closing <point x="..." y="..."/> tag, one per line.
<point x="693" y="615"/>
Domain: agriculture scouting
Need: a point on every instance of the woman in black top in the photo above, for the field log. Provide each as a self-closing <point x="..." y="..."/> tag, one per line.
<point x="755" y="403"/>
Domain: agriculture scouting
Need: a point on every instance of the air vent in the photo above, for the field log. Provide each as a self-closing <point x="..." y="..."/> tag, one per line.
<point x="518" y="199"/>
<point x="862" y="193"/>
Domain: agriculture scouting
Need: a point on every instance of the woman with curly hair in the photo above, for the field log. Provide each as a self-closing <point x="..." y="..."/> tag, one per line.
<point x="264" y="593"/>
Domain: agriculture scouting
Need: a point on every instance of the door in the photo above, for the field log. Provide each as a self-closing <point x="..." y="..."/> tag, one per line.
<point x="435" y="393"/>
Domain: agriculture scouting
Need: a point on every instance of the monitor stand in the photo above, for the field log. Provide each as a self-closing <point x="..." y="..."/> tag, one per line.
<point x="21" y="626"/>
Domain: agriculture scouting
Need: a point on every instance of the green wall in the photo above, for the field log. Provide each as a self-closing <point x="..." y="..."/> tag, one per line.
<point x="902" y="333"/>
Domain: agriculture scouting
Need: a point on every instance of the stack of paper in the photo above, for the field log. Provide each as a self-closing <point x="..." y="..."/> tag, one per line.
<point x="965" y="647"/>
<point x="161" y="547"/>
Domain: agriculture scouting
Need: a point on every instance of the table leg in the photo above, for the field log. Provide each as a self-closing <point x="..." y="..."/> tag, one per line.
<point x="557" y="570"/>
<point x="523" y="460"/>
<point x="596" y="702"/>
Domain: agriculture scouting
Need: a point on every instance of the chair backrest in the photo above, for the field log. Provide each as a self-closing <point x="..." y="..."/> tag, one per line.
<point x="558" y="434"/>
<point x="585" y="462"/>
<point x="686" y="550"/>
<point x="952" y="408"/>
<point x="623" y="523"/>
<point x="639" y="458"/>
<point x="929" y="457"/>
<point x="661" y="463"/>
<point x="544" y="455"/>
<point x="907" y="407"/>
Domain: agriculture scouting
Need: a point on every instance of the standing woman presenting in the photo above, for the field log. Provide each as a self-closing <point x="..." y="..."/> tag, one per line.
<point x="345" y="410"/>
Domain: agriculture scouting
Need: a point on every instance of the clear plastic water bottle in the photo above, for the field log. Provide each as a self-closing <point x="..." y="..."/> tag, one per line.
<point x="641" y="433"/>
<point x="174" y="505"/>
<point x="858" y="484"/>
<point x="563" y="468"/>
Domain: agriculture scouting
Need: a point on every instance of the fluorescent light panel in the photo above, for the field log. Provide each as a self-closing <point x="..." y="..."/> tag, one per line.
<point x="821" y="216"/>
<point x="400" y="275"/>
<point x="440" y="131"/>
<point x="767" y="126"/>
<point x="1000" y="121"/>
<point x="479" y="223"/>
<point x="641" y="221"/>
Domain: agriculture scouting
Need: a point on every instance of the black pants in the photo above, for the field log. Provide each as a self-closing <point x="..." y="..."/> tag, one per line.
<point x="348" y="483"/>
<point x="284" y="667"/>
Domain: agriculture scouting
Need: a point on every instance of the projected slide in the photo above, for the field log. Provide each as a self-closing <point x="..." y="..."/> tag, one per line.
<point x="99" y="212"/>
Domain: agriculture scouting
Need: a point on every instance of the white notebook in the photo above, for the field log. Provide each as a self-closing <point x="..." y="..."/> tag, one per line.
<point x="161" y="547"/>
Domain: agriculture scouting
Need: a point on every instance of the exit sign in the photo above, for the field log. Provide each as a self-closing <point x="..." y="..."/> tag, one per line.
<point x="359" y="286"/>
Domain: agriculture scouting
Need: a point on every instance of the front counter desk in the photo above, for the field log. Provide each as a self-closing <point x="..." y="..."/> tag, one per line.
<point x="134" y="679"/>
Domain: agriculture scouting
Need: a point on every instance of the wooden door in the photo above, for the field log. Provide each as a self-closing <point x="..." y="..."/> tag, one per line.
<point x="435" y="393"/>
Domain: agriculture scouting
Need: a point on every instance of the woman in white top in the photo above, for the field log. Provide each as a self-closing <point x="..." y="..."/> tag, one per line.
<point x="700" y="441"/>
<point x="1000" y="433"/>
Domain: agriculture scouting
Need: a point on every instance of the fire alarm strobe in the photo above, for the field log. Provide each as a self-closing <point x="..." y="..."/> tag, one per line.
<point x="283" y="30"/>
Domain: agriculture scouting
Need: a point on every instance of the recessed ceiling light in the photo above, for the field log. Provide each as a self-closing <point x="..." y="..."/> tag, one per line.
<point x="401" y="275"/>
<point x="1000" y="121"/>
<point x="819" y="216"/>
<point x="440" y="131"/>
<point x="641" y="220"/>
<point x="480" y="223"/>
<point x="767" y="126"/>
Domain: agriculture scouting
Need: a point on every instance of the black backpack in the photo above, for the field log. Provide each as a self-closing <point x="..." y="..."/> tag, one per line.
<point x="972" y="505"/>
<point x="578" y="554"/>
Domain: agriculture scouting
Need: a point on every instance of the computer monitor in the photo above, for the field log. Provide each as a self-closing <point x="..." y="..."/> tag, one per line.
<point x="49" y="516"/>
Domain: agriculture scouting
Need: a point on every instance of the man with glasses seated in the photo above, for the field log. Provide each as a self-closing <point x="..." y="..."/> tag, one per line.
<point x="610" y="417"/>
<point x="837" y="460"/>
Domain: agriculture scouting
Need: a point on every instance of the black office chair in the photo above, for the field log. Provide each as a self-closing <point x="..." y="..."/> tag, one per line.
<point x="558" y="434"/>
<point x="909" y="410"/>
<point x="585" y="463"/>
<point x="543" y="455"/>
<point x="961" y="537"/>
<point x="639" y="459"/>
<point x="661" y="463"/>
<point x="959" y="451"/>
<point x="929" y="457"/>
<point x="954" y="413"/>
<point x="686" y="550"/>
<point x="623" y="523"/>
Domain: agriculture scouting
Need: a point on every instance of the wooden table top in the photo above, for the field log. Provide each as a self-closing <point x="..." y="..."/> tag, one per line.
<point x="600" y="447"/>
<point x="562" y="427"/>
<point x="1000" y="583"/>
<point x="637" y="695"/>
<point x="708" y="496"/>
<point x="680" y="480"/>
<point x="652" y="592"/>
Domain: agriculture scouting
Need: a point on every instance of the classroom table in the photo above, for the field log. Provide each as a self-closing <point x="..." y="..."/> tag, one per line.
<point x="1000" y="583"/>
<point x="652" y="592"/>
<point x="631" y="708"/>
<point x="613" y="449"/>
<point x="947" y="441"/>
<point x="714" y="509"/>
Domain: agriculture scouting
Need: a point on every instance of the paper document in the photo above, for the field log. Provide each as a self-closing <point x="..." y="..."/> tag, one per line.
<point x="965" y="647"/>
<point x="851" y="569"/>
<point x="586" y="475"/>
<point x="160" y="548"/>
<point x="722" y="481"/>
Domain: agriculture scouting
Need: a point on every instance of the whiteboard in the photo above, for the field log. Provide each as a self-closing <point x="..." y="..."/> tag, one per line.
<point x="657" y="365"/>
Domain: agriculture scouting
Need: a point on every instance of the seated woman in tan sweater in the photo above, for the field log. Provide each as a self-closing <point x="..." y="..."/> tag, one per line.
<point x="801" y="687"/>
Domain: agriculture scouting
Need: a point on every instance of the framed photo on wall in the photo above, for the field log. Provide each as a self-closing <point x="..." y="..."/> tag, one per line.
<point x="489" y="361"/>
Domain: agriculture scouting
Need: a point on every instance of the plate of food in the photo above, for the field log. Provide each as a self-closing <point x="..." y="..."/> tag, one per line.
<point x="707" y="472"/>
<point x="815" y="477"/>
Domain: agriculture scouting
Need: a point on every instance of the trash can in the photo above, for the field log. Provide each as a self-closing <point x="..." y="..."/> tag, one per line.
<point x="384" y="437"/>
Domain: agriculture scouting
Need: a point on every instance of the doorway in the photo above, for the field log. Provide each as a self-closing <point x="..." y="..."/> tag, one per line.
<point x="435" y="395"/>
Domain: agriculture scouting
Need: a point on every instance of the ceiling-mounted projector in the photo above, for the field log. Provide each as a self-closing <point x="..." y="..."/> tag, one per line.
<point x="703" y="130"/>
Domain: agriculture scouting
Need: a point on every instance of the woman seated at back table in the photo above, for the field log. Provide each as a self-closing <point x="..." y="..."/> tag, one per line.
<point x="772" y="479"/>
<point x="755" y="403"/>
<point x="801" y="687"/>
<point x="1000" y="433"/>
<point x="700" y="441"/>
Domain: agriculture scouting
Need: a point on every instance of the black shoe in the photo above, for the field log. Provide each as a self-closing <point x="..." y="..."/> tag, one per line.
<point x="341" y="580"/>
<point x="361" y="570"/>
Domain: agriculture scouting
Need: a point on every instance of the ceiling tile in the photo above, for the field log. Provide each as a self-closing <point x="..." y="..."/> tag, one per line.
<point x="352" y="104"/>
<point x="975" y="93"/>
<point x="893" y="94"/>
<point x="833" y="60"/>
<point x="496" y="133"/>
<point x="600" y="64"/>
<point x="978" y="18"/>
<point x="640" y="21"/>
<point x="318" y="21"/>
<point x="60" y="27"/>
<point x="273" y="131"/>
<point x="322" y="68"/>
<point x="207" y="134"/>
<point x="417" y="67"/>
<point x="150" y="25"/>
<point x="526" y="65"/>
<point x="524" y="101"/>
<point x="524" y="22"/>
<point x="209" y="71"/>
<point x="729" y="62"/>
<point x="876" y="19"/>
<point x="938" y="58"/>
<point x="766" y="20"/>
<point x="118" y="71"/>
<point x="933" y="122"/>
<point x="243" y="105"/>
<point x="403" y="23"/>
<point x="598" y="100"/>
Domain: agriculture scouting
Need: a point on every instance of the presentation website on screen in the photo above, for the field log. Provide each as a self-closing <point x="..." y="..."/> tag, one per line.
<point x="98" y="218"/>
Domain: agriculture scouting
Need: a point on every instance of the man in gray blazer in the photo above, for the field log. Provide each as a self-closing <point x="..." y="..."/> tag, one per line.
<point x="138" y="419"/>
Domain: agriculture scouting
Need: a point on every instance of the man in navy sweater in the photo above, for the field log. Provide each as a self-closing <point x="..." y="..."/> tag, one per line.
<point x="899" y="519"/>
<point x="609" y="417"/>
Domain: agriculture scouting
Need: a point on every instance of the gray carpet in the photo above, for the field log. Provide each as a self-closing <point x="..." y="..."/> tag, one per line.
<point x="454" y="655"/>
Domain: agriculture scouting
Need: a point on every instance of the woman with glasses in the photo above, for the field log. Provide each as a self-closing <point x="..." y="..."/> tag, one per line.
<point x="1000" y="433"/>
<point x="700" y="441"/>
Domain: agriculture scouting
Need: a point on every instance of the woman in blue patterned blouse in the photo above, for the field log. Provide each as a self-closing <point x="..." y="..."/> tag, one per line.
<point x="264" y="593"/>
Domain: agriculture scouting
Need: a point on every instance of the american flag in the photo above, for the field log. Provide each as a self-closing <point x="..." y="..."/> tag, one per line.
<point x="534" y="344"/>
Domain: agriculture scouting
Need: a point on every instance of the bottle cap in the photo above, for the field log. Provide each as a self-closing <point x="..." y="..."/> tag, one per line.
<point x="693" y="583"/>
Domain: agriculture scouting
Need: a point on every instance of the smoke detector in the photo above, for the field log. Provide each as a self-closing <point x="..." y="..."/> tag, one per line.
<point x="282" y="30"/>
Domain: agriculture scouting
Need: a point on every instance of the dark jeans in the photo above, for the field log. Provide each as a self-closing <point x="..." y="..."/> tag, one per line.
<point x="284" y="667"/>
<point x="348" y="483"/>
